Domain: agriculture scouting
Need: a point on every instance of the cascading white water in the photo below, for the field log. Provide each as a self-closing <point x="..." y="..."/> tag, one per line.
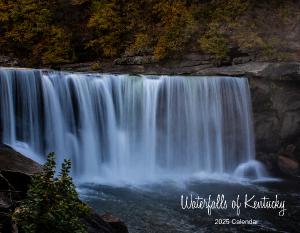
<point x="128" y="127"/>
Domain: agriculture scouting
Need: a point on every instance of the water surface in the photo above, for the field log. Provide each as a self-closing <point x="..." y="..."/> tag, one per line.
<point x="157" y="207"/>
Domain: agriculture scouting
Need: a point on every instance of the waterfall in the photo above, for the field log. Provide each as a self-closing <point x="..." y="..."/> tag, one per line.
<point x="121" y="126"/>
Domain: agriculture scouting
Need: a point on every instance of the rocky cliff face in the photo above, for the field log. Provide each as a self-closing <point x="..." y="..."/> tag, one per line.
<point x="276" y="108"/>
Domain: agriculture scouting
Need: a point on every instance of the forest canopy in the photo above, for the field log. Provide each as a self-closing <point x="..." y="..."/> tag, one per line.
<point x="63" y="31"/>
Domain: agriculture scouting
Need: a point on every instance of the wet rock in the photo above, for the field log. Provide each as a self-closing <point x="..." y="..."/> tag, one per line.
<point x="10" y="160"/>
<point x="269" y="160"/>
<point x="15" y="175"/>
<point x="17" y="182"/>
<point x="106" y="223"/>
<point x="289" y="151"/>
<point x="5" y="208"/>
<point x="116" y="224"/>
<point x="290" y="123"/>
<point x="5" y="225"/>
<point x="95" y="224"/>
<point x="288" y="166"/>
<point x="276" y="111"/>
<point x="266" y="127"/>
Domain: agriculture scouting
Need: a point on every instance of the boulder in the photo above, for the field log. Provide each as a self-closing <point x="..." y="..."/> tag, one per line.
<point x="106" y="223"/>
<point x="288" y="166"/>
<point x="116" y="224"/>
<point x="16" y="182"/>
<point x="95" y="224"/>
<point x="10" y="160"/>
<point x="269" y="160"/>
<point x="288" y="151"/>
<point x="15" y="177"/>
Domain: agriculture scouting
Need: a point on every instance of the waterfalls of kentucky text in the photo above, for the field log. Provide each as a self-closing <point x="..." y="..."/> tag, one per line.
<point x="220" y="203"/>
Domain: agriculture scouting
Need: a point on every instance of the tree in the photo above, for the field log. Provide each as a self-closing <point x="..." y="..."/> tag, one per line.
<point x="215" y="42"/>
<point x="29" y="30"/>
<point x="223" y="18"/>
<point x="177" y="26"/>
<point x="51" y="32"/>
<point x="52" y="203"/>
<point x="109" y="26"/>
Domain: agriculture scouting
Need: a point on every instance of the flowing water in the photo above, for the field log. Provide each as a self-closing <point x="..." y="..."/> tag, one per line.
<point x="125" y="128"/>
<point x="138" y="142"/>
<point x="156" y="208"/>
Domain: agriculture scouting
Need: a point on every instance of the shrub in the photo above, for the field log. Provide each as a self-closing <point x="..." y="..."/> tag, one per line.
<point x="52" y="203"/>
<point x="177" y="27"/>
<point x="215" y="42"/>
<point x="96" y="66"/>
<point x="55" y="48"/>
<point x="108" y="28"/>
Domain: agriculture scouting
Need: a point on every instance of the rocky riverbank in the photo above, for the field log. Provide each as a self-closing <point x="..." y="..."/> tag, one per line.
<point x="15" y="176"/>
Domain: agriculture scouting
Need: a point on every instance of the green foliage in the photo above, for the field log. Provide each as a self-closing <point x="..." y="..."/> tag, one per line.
<point x="215" y="42"/>
<point x="54" y="48"/>
<point x="120" y="26"/>
<point x="224" y="18"/>
<point x="52" y="203"/>
<point x="30" y="30"/>
<point x="143" y="43"/>
<point x="229" y="11"/>
<point x="108" y="27"/>
<point x="96" y="66"/>
<point x="177" y="26"/>
<point x="4" y="14"/>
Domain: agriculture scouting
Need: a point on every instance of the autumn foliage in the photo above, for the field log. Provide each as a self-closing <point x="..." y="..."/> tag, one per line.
<point x="62" y="31"/>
